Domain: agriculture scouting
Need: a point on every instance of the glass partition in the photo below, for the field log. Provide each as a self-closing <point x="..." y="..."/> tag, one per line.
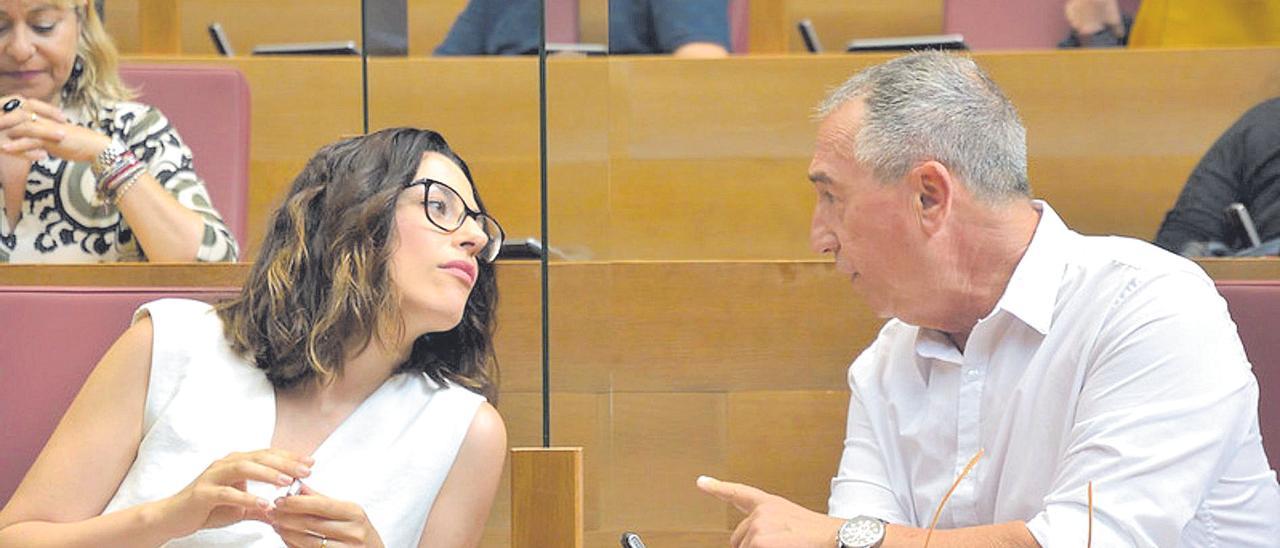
<point x="694" y="331"/>
<point x="487" y="108"/>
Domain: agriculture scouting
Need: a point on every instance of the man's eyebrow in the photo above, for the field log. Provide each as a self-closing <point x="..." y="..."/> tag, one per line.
<point x="819" y="178"/>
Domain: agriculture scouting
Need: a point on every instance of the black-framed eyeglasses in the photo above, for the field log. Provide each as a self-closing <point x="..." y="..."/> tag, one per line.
<point x="447" y="211"/>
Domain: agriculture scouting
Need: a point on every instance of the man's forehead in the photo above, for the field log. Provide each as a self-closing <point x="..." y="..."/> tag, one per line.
<point x="837" y="132"/>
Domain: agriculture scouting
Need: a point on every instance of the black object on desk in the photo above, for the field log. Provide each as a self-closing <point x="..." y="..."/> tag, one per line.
<point x="347" y="47"/>
<point x="220" y="41"/>
<point x="908" y="43"/>
<point x="528" y="248"/>
<point x="809" y="35"/>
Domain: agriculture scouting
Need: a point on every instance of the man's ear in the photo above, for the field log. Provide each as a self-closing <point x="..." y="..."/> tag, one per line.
<point x="934" y="189"/>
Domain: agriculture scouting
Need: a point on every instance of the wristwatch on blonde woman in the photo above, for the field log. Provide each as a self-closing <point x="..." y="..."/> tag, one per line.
<point x="106" y="160"/>
<point x="861" y="532"/>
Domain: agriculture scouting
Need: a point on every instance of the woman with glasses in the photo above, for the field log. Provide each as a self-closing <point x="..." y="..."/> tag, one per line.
<point x="338" y="400"/>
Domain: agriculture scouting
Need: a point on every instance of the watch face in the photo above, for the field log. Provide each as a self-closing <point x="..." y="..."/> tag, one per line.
<point x="861" y="531"/>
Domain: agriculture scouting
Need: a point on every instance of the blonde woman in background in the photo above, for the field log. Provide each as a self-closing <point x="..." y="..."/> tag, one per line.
<point x="88" y="175"/>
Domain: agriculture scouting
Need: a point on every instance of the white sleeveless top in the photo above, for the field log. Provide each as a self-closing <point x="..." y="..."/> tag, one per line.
<point x="203" y="401"/>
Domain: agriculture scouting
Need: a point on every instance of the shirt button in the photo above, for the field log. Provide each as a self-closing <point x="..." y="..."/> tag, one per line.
<point x="973" y="373"/>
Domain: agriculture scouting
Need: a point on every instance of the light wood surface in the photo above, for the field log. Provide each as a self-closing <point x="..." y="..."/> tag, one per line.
<point x="162" y="19"/>
<point x="666" y="159"/>
<point x="773" y="22"/>
<point x="708" y="160"/>
<point x="546" y="497"/>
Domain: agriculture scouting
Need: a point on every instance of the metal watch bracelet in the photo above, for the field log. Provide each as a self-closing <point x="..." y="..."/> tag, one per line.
<point x="109" y="159"/>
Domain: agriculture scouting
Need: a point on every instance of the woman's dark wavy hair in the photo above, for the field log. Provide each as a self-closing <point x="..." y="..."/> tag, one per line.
<point x="321" y="287"/>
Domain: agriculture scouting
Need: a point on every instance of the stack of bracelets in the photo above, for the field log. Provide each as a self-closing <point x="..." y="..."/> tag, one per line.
<point x="117" y="169"/>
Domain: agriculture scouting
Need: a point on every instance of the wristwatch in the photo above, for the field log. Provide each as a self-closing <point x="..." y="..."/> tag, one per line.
<point x="106" y="160"/>
<point x="861" y="532"/>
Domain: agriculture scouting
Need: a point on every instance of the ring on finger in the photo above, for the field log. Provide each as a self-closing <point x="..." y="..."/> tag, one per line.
<point x="324" y="542"/>
<point x="34" y="117"/>
<point x="12" y="105"/>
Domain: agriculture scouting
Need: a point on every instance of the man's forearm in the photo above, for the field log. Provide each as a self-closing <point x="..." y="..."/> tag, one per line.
<point x="1012" y="534"/>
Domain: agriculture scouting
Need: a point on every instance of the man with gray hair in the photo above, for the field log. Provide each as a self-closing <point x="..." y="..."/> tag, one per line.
<point x="1052" y="389"/>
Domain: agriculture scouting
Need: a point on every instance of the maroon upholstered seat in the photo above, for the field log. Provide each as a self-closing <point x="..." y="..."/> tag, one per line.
<point x="51" y="339"/>
<point x="209" y="106"/>
<point x="1012" y="24"/>
<point x="739" y="25"/>
<point x="1255" y="307"/>
<point x="562" y="21"/>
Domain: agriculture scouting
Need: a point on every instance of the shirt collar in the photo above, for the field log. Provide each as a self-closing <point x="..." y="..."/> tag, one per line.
<point x="1033" y="289"/>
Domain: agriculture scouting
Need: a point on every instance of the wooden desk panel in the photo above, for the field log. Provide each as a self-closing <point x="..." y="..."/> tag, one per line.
<point x="665" y="159"/>
<point x="707" y="160"/>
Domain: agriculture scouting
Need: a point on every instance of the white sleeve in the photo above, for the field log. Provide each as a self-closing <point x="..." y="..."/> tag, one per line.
<point x="862" y="486"/>
<point x="1167" y="398"/>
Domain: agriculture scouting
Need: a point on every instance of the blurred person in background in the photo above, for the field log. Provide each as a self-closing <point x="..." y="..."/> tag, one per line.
<point x="683" y="28"/>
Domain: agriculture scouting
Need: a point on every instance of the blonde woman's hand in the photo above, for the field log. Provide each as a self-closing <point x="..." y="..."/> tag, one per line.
<point x="309" y="519"/>
<point x="17" y="114"/>
<point x="219" y="496"/>
<point x="42" y="127"/>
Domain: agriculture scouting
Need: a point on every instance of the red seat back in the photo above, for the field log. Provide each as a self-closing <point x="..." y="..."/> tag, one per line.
<point x="209" y="106"/>
<point x="1012" y="24"/>
<point x="1255" y="307"/>
<point x="50" y="339"/>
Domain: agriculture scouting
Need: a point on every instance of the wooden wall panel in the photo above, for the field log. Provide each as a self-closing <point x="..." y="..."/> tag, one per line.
<point x="488" y="111"/>
<point x="787" y="442"/>
<point x="708" y="160"/>
<point x="661" y="442"/>
<point x="664" y="159"/>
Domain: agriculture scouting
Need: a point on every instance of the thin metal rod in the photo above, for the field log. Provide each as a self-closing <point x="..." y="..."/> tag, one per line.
<point x="546" y="248"/>
<point x="364" y="65"/>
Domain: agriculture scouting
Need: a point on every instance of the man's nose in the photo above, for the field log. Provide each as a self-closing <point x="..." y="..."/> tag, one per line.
<point x="821" y="240"/>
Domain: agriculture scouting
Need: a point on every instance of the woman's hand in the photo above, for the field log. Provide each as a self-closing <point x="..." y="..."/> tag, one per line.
<point x="39" y="126"/>
<point x="310" y="519"/>
<point x="218" y="497"/>
<point x="13" y="122"/>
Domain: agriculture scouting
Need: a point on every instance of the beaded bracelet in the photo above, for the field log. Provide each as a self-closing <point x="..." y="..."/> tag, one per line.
<point x="116" y="183"/>
<point x="124" y="187"/>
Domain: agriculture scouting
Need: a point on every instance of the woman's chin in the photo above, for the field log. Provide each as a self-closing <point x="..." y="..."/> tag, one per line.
<point x="439" y="321"/>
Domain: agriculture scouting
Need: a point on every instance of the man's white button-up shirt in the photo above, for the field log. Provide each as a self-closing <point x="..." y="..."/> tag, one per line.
<point x="1106" y="360"/>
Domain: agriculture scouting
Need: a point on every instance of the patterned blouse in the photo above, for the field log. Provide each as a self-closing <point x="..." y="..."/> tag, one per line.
<point x="64" y="221"/>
